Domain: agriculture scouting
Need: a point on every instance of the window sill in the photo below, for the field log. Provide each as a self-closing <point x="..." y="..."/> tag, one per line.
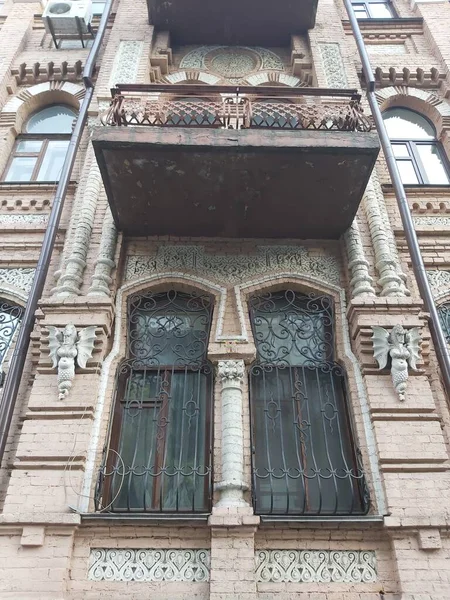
<point x="382" y="24"/>
<point x="299" y="520"/>
<point x="31" y="186"/>
<point x="147" y="518"/>
<point x="418" y="189"/>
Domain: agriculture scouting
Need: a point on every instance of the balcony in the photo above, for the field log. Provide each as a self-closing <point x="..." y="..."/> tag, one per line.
<point x="247" y="22"/>
<point x="222" y="161"/>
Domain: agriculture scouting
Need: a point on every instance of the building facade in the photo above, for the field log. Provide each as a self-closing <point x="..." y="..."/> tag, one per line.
<point x="231" y="391"/>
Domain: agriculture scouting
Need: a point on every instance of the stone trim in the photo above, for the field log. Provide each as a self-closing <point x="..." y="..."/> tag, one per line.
<point x="230" y="374"/>
<point x="19" y="278"/>
<point x="316" y="566"/>
<point x="126" y="63"/>
<point x="333" y="65"/>
<point x="361" y="281"/>
<point x="147" y="564"/>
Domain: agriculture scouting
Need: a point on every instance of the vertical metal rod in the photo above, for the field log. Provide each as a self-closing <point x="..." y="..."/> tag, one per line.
<point x="15" y="372"/>
<point x="437" y="333"/>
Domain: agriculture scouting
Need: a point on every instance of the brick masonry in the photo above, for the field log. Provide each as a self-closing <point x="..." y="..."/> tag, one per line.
<point x="55" y="447"/>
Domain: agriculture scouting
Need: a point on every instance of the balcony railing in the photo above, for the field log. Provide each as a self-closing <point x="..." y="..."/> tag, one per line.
<point x="228" y="107"/>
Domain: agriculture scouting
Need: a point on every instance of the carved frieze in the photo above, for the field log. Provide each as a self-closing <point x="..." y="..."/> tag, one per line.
<point x="333" y="65"/>
<point x="27" y="219"/>
<point x="439" y="281"/>
<point x="126" y="63"/>
<point x="19" y="277"/>
<point x="316" y="566"/>
<point x="234" y="268"/>
<point x="145" y="564"/>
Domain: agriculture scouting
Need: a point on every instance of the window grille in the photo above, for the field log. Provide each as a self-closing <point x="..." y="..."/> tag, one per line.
<point x="304" y="460"/>
<point x="159" y="454"/>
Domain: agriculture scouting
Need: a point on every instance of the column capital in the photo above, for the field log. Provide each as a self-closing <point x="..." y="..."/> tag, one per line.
<point x="231" y="372"/>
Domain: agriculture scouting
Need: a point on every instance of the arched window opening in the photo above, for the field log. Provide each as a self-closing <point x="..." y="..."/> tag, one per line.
<point x="304" y="459"/>
<point x="159" y="455"/>
<point x="10" y="317"/>
<point x="444" y="317"/>
<point x="419" y="155"/>
<point x="40" y="150"/>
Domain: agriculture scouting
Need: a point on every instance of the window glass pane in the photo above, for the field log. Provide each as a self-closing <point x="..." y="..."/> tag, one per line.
<point x="98" y="8"/>
<point x="405" y="124"/>
<point x="380" y="10"/>
<point x="360" y="11"/>
<point x="169" y="329"/>
<point x="53" y="161"/>
<point x="400" y="150"/>
<point x="21" y="169"/>
<point x="75" y="44"/>
<point x="10" y="317"/>
<point x="53" y="119"/>
<point x="29" y="146"/>
<point x="407" y="172"/>
<point x="433" y="164"/>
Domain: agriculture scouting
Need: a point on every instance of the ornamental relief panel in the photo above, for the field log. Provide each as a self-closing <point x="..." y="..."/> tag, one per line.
<point x="233" y="63"/>
<point x="316" y="566"/>
<point x="234" y="269"/>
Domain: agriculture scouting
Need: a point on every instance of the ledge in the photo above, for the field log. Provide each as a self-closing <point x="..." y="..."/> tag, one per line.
<point x="418" y="190"/>
<point x="146" y="519"/>
<point x="33" y="186"/>
<point x="294" y="521"/>
<point x="414" y="23"/>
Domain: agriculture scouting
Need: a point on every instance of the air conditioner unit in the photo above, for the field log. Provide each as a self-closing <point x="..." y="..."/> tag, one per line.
<point x="62" y="16"/>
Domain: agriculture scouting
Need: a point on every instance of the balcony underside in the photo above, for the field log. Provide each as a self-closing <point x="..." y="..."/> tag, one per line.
<point x="249" y="22"/>
<point x="234" y="183"/>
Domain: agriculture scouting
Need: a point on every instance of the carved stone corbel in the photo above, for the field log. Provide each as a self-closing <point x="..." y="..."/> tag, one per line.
<point x="67" y="346"/>
<point x="402" y="347"/>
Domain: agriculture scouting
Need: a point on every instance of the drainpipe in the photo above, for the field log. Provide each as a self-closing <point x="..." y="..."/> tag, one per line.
<point x="437" y="333"/>
<point x="17" y="364"/>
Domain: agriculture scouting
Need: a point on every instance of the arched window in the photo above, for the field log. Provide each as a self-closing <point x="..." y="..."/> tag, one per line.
<point x="159" y="455"/>
<point x="304" y="459"/>
<point x="10" y="317"/>
<point x="444" y="317"/>
<point x="419" y="155"/>
<point x="40" y="150"/>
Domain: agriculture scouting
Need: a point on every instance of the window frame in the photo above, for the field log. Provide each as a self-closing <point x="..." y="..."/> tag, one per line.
<point x="414" y="155"/>
<point x="270" y="364"/>
<point x="45" y="138"/>
<point x="164" y="376"/>
<point x="366" y="4"/>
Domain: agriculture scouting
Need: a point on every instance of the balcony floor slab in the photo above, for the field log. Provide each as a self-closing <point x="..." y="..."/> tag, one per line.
<point x="234" y="183"/>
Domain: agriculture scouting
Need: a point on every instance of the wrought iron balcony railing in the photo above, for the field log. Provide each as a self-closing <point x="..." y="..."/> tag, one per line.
<point x="227" y="107"/>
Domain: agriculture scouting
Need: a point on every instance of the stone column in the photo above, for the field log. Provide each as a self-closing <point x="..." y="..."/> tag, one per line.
<point x="361" y="282"/>
<point x="104" y="264"/>
<point x="389" y="280"/>
<point x="231" y="377"/>
<point x="72" y="273"/>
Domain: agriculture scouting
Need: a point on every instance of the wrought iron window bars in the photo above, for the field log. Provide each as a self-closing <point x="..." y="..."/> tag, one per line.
<point x="159" y="454"/>
<point x="304" y="460"/>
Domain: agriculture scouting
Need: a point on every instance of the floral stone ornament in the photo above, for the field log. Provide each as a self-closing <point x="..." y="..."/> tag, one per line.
<point x="67" y="346"/>
<point x="402" y="346"/>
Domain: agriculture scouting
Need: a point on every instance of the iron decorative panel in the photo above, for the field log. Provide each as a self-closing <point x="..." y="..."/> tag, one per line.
<point x="316" y="566"/>
<point x="147" y="564"/>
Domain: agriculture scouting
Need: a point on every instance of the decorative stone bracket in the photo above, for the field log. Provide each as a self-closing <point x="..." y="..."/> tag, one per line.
<point x="402" y="347"/>
<point x="231" y="376"/>
<point x="66" y="347"/>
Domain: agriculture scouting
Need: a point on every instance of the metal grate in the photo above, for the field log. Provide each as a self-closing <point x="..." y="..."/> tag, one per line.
<point x="10" y="317"/>
<point x="159" y="456"/>
<point x="303" y="460"/>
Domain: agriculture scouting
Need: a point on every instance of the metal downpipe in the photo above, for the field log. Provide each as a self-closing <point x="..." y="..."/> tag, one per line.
<point x="437" y="333"/>
<point x="15" y="372"/>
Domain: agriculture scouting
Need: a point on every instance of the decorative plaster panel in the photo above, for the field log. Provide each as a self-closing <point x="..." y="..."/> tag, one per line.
<point x="316" y="566"/>
<point x="23" y="219"/>
<point x="20" y="278"/>
<point x="126" y="63"/>
<point x="235" y="268"/>
<point x="231" y="62"/>
<point x="386" y="48"/>
<point x="438" y="279"/>
<point x="432" y="221"/>
<point x="333" y="65"/>
<point x="145" y="564"/>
